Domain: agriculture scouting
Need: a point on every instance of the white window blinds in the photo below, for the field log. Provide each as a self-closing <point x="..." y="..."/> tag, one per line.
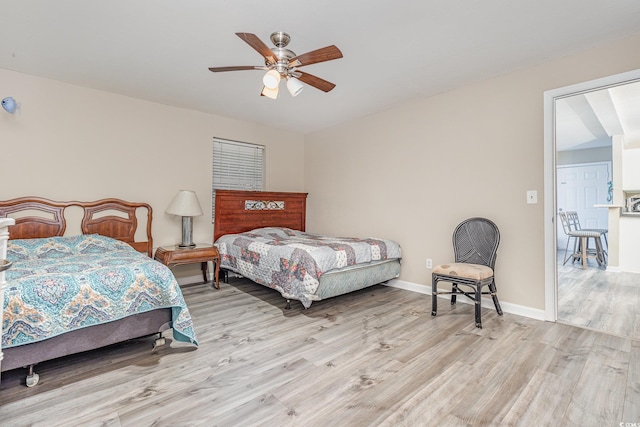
<point x="237" y="166"/>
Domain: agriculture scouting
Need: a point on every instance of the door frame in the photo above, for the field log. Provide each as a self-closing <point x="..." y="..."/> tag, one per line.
<point x="550" y="238"/>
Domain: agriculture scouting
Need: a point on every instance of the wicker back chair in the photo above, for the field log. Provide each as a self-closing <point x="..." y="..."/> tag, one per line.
<point x="475" y="244"/>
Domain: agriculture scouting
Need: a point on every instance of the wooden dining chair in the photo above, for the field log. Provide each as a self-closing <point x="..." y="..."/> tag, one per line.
<point x="574" y="222"/>
<point x="581" y="239"/>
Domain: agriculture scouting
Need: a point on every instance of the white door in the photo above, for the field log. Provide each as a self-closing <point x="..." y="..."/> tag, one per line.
<point x="579" y="188"/>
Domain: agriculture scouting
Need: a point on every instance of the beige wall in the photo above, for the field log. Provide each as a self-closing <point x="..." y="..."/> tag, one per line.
<point x="413" y="172"/>
<point x="72" y="143"/>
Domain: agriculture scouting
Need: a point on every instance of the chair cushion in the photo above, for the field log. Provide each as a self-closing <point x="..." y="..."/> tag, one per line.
<point x="469" y="271"/>
<point x="586" y="233"/>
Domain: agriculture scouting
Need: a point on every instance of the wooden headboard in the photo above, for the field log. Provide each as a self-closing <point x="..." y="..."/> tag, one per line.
<point x="37" y="217"/>
<point x="239" y="211"/>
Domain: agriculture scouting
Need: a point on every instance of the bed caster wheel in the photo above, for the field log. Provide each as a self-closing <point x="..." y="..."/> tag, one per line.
<point x="159" y="342"/>
<point x="433" y="313"/>
<point x="32" y="380"/>
<point x="478" y="325"/>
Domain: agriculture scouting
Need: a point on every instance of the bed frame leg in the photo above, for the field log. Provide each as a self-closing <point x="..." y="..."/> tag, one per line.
<point x="288" y="306"/>
<point x="32" y="378"/>
<point x="159" y="342"/>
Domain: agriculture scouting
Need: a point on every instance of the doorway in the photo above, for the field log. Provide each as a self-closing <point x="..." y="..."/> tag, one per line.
<point x="579" y="188"/>
<point x="561" y="182"/>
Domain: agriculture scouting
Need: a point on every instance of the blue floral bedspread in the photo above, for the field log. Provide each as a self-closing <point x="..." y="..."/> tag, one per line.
<point x="60" y="284"/>
<point x="292" y="261"/>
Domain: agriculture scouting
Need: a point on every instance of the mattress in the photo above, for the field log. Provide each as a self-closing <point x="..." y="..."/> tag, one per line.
<point x="61" y="284"/>
<point x="294" y="262"/>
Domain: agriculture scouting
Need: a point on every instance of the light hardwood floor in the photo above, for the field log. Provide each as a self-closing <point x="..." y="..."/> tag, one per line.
<point x="372" y="358"/>
<point x="599" y="299"/>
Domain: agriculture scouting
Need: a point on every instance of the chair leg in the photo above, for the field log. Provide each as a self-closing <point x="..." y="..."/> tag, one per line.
<point x="605" y="248"/>
<point x="566" y="251"/>
<point x="600" y="254"/>
<point x="454" y="291"/>
<point x="434" y="295"/>
<point x="478" y="304"/>
<point x="577" y="249"/>
<point x="494" y="296"/>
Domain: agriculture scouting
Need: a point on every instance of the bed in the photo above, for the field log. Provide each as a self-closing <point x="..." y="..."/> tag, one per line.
<point x="70" y="294"/>
<point x="262" y="236"/>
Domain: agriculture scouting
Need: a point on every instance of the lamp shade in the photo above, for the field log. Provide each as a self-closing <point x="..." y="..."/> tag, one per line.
<point x="185" y="203"/>
<point x="270" y="93"/>
<point x="294" y="86"/>
<point x="271" y="79"/>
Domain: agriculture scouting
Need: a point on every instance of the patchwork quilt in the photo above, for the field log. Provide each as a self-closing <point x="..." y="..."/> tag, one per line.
<point x="292" y="261"/>
<point x="60" y="284"/>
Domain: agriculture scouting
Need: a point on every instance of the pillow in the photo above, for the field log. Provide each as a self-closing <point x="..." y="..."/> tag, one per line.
<point x="61" y="246"/>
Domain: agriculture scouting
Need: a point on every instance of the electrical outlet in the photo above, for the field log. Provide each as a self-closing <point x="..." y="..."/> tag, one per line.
<point x="532" y="197"/>
<point x="429" y="263"/>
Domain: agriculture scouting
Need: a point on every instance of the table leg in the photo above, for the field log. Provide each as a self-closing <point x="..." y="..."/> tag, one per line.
<point x="217" y="273"/>
<point x="203" y="266"/>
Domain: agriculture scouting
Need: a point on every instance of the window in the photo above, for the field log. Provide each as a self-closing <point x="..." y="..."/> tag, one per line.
<point x="236" y="166"/>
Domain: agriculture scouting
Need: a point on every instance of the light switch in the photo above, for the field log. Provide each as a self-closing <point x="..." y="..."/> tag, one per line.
<point x="532" y="197"/>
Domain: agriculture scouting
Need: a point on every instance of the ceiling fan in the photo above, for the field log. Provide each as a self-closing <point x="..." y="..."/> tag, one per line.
<point x="283" y="63"/>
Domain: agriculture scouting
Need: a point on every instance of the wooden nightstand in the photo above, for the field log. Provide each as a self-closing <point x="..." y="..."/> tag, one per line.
<point x="203" y="252"/>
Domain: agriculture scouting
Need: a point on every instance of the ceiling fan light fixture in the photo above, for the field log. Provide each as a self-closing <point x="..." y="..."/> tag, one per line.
<point x="280" y="62"/>
<point x="270" y="93"/>
<point x="294" y="86"/>
<point x="271" y="79"/>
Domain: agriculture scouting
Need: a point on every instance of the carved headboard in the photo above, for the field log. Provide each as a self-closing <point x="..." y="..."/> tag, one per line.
<point x="239" y="211"/>
<point x="37" y="217"/>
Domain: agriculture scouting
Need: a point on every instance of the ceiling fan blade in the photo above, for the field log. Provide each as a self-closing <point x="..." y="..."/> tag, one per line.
<point x="253" y="41"/>
<point x="319" y="55"/>
<point x="316" y="82"/>
<point x="239" y="68"/>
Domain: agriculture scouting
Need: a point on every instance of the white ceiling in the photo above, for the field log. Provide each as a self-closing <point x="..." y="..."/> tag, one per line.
<point x="160" y="50"/>
<point x="589" y="120"/>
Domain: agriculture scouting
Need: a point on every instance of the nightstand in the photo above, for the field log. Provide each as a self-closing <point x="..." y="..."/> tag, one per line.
<point x="202" y="252"/>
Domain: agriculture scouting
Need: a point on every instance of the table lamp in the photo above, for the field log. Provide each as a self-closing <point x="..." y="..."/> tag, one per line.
<point x="186" y="205"/>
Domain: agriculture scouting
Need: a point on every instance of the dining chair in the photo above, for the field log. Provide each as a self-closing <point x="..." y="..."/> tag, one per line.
<point x="581" y="237"/>
<point x="574" y="221"/>
<point x="475" y="246"/>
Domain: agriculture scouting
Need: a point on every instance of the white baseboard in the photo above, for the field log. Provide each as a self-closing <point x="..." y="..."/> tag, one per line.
<point x="507" y="307"/>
